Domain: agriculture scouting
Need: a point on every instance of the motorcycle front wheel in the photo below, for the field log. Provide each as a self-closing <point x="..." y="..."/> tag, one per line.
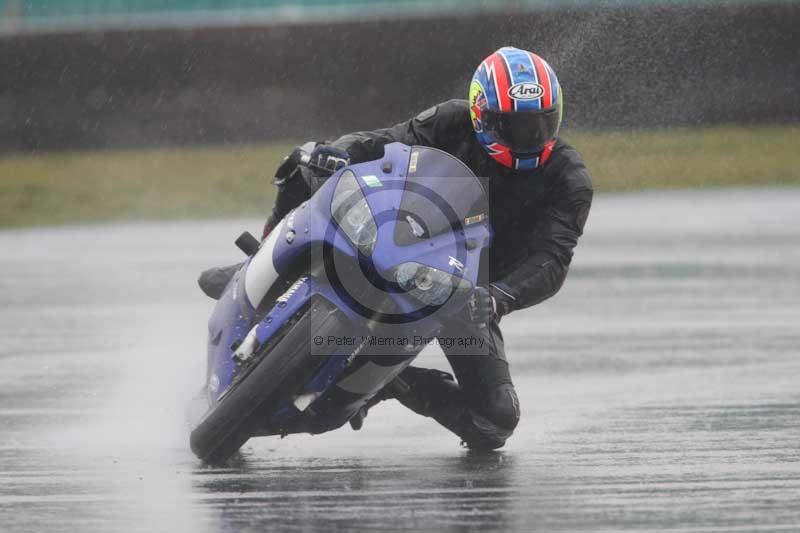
<point x="279" y="374"/>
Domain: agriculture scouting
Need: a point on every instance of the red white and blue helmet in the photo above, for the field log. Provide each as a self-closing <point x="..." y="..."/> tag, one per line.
<point x="516" y="106"/>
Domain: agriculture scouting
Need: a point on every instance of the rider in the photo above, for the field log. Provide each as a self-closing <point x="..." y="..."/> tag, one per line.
<point x="540" y="193"/>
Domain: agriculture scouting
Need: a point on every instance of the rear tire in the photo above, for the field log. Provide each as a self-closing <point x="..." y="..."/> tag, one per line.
<point x="278" y="375"/>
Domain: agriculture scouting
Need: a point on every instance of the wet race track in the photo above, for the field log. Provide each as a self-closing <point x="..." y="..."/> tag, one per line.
<point x="660" y="389"/>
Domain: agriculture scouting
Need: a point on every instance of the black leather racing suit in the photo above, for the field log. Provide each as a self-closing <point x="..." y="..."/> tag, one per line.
<point x="537" y="217"/>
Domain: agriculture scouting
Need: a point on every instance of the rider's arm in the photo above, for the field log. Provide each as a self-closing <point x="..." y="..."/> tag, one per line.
<point x="432" y="127"/>
<point x="556" y="235"/>
<point x="293" y="190"/>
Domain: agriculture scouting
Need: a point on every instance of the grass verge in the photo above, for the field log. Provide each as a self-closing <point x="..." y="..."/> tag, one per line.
<point x="78" y="187"/>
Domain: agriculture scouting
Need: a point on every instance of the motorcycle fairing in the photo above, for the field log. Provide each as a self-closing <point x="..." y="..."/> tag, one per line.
<point x="310" y="227"/>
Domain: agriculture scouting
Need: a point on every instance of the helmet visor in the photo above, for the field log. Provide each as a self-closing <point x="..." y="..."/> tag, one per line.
<point x="521" y="131"/>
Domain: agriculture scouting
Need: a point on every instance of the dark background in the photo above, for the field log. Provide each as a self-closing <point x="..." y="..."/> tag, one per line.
<point x="625" y="67"/>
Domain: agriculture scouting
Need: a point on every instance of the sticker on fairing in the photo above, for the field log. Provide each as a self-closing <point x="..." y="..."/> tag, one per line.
<point x="291" y="290"/>
<point x="412" y="165"/>
<point x="455" y="263"/>
<point x="372" y="181"/>
<point x="474" y="220"/>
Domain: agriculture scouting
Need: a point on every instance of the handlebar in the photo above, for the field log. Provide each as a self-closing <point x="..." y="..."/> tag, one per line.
<point x="304" y="160"/>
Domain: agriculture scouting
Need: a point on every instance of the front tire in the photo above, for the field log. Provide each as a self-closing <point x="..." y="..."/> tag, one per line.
<point x="279" y="374"/>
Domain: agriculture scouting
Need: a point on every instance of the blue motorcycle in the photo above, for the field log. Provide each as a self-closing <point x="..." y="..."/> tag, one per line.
<point x="341" y="296"/>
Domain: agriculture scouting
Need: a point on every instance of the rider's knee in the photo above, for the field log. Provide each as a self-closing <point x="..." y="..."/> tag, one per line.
<point x="501" y="407"/>
<point x="495" y="419"/>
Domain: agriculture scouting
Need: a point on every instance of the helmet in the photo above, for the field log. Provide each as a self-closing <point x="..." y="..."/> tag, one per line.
<point x="516" y="106"/>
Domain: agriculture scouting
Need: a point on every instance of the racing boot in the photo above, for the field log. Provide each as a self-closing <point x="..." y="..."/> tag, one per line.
<point x="214" y="280"/>
<point x="435" y="394"/>
<point x="387" y="393"/>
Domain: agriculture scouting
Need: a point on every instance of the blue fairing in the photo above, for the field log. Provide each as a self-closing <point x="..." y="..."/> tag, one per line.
<point x="311" y="228"/>
<point x="230" y="322"/>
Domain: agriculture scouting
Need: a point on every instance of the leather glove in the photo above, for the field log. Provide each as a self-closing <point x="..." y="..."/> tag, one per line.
<point x="287" y="168"/>
<point x="326" y="158"/>
<point x="487" y="304"/>
<point x="291" y="191"/>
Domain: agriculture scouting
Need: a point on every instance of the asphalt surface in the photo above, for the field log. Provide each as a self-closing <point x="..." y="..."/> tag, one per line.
<point x="660" y="389"/>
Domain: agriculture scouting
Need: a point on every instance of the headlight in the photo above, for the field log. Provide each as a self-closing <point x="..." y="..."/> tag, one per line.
<point x="427" y="284"/>
<point x="351" y="211"/>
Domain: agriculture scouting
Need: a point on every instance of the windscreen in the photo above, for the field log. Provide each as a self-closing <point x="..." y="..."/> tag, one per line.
<point x="441" y="195"/>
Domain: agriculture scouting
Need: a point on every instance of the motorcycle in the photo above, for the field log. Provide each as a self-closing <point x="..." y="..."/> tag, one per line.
<point x="341" y="296"/>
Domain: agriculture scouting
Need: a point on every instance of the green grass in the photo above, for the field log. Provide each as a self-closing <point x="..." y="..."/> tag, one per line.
<point x="693" y="158"/>
<point x="58" y="188"/>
